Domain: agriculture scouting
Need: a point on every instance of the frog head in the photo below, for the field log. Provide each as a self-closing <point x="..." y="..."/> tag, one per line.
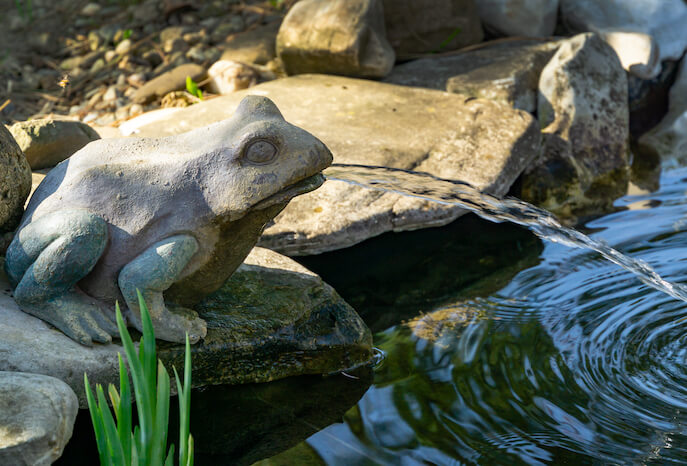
<point x="257" y="160"/>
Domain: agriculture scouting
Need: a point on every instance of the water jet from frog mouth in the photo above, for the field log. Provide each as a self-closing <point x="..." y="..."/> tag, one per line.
<point x="542" y="223"/>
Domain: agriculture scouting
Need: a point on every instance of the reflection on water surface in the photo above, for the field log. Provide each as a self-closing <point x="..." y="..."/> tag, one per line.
<point x="573" y="361"/>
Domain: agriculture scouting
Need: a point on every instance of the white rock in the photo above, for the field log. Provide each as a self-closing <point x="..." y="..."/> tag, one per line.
<point x="638" y="52"/>
<point x="530" y="18"/>
<point x="669" y="137"/>
<point x="38" y="414"/>
<point x="228" y="76"/>
<point x="111" y="94"/>
<point x="664" y="20"/>
<point x="124" y="46"/>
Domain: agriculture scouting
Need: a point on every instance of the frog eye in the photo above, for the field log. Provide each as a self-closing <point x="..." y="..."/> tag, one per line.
<point x="260" y="152"/>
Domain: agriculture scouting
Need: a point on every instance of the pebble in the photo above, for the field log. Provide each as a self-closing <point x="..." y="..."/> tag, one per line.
<point x="98" y="65"/>
<point x="91" y="9"/>
<point x="136" y="79"/>
<point x="175" y="45"/>
<point x="195" y="54"/>
<point x="233" y="25"/>
<point x="90" y="117"/>
<point x="124" y="46"/>
<point x="110" y="55"/>
<point x="121" y="80"/>
<point x="136" y="109"/>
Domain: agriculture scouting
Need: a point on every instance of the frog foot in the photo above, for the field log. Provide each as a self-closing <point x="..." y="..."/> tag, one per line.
<point x="78" y="316"/>
<point x="173" y="323"/>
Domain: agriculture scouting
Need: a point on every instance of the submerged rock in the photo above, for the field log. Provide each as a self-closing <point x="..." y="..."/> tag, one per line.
<point x="426" y="26"/>
<point x="584" y="116"/>
<point x="485" y="143"/>
<point x="15" y="183"/>
<point x="272" y="319"/>
<point x="529" y="18"/>
<point x="344" y="37"/>
<point x="503" y="71"/>
<point x="38" y="414"/>
<point x="669" y="138"/>
<point x="664" y="20"/>
<point x="48" y="142"/>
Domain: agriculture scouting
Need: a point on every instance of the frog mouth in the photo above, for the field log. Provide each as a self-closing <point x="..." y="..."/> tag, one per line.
<point x="285" y="195"/>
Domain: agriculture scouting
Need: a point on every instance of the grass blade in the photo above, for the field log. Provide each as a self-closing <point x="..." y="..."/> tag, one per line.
<point x="96" y="420"/>
<point x="140" y="390"/>
<point x="170" y="456"/>
<point x="161" y="415"/>
<point x="115" y="453"/>
<point x="124" y="413"/>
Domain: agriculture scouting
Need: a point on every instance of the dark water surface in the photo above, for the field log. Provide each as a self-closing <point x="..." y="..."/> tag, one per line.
<point x="573" y="361"/>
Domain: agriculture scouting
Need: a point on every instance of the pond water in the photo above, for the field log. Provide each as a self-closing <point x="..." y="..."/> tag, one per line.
<point x="571" y="361"/>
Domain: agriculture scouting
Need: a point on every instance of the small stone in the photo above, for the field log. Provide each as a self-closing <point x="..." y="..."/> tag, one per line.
<point x="152" y="57"/>
<point x="195" y="54"/>
<point x="48" y="142"/>
<point x="231" y="25"/>
<point x="110" y="94"/>
<point x="110" y="55"/>
<point x="122" y="113"/>
<point x="91" y="9"/>
<point x="94" y="40"/>
<point x="121" y="80"/>
<point x="136" y="79"/>
<point x="107" y="32"/>
<point x="123" y="47"/>
<point x="91" y="116"/>
<point x="171" y="33"/>
<point x="228" y="76"/>
<point x="136" y="109"/>
<point x="175" y="45"/>
<point x="98" y="65"/>
<point x="198" y="37"/>
<point x="106" y="119"/>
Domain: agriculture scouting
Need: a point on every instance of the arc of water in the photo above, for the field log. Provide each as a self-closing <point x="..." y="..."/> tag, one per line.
<point x="541" y="222"/>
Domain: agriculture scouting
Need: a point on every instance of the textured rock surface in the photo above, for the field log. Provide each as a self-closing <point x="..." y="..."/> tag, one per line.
<point x="48" y="142"/>
<point x="272" y="319"/>
<point x="425" y="26"/>
<point x="344" y="37"/>
<point x="15" y="182"/>
<point x="504" y="71"/>
<point x="663" y="19"/>
<point x="38" y="414"/>
<point x="172" y="80"/>
<point x="483" y="142"/>
<point x="529" y="18"/>
<point x="669" y="138"/>
<point x="584" y="116"/>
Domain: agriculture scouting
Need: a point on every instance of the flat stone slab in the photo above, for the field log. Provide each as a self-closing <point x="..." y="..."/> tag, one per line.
<point x="272" y="319"/>
<point x="37" y="415"/>
<point x="485" y="143"/>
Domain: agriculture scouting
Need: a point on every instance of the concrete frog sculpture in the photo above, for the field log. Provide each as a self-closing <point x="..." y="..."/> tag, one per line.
<point x="172" y="217"/>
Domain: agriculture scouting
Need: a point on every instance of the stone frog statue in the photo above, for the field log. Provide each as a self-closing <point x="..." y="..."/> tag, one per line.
<point x="172" y="217"/>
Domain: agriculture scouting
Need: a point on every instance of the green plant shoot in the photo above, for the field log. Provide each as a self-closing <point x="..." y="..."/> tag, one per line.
<point x="146" y="444"/>
<point x="193" y="89"/>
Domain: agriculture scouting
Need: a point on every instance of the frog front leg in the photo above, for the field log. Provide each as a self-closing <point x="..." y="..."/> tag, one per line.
<point x="151" y="273"/>
<point x="45" y="261"/>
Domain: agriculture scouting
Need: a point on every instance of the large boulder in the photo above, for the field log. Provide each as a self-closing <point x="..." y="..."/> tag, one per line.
<point x="529" y="18"/>
<point x="483" y="142"/>
<point x="48" y="142"/>
<point x="426" y="26"/>
<point x="253" y="47"/>
<point x="272" y="319"/>
<point x="584" y="116"/>
<point x="15" y="183"/>
<point x="504" y="71"/>
<point x="345" y="37"/>
<point x="38" y="414"/>
<point x="663" y="19"/>
<point x="669" y="138"/>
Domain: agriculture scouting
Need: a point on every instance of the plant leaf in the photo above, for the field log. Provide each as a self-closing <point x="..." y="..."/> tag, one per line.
<point x="96" y="420"/>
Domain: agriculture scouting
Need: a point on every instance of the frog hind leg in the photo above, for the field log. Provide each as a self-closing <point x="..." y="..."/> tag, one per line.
<point x="46" y="260"/>
<point x="151" y="273"/>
